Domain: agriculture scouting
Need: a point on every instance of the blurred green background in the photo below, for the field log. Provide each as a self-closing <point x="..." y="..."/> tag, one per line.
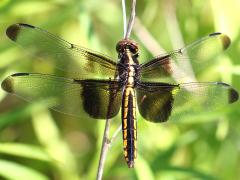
<point x="36" y="143"/>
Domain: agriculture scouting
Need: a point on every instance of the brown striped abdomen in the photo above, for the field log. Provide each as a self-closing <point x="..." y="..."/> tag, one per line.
<point x="129" y="126"/>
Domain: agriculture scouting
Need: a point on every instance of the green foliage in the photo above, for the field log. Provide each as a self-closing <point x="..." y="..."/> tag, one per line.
<point x="12" y="170"/>
<point x="35" y="144"/>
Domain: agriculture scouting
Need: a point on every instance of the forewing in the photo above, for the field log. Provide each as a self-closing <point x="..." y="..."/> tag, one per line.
<point x="68" y="96"/>
<point x="76" y="60"/>
<point x="158" y="102"/>
<point x="177" y="66"/>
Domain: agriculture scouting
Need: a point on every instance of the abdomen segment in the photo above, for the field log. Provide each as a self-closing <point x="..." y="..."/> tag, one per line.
<point x="129" y="126"/>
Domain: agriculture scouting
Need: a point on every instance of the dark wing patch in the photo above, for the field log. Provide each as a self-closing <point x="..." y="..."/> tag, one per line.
<point x="155" y="101"/>
<point x="68" y="96"/>
<point x="101" y="99"/>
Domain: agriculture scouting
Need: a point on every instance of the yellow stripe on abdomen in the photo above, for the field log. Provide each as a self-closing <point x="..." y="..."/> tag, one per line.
<point x="129" y="125"/>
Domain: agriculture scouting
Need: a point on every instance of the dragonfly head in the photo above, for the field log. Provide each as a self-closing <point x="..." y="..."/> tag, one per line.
<point x="125" y="44"/>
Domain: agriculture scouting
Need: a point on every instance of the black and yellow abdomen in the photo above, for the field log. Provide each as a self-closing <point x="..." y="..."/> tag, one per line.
<point x="129" y="125"/>
<point x="129" y="121"/>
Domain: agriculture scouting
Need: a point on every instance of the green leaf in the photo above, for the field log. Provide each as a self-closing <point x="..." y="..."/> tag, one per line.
<point x="24" y="150"/>
<point x="12" y="170"/>
<point x="55" y="146"/>
<point x="143" y="169"/>
<point x="18" y="114"/>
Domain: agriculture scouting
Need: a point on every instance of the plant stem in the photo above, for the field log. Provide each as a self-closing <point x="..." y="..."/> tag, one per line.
<point x="104" y="149"/>
<point x="131" y="20"/>
<point x="106" y="140"/>
<point x="124" y="18"/>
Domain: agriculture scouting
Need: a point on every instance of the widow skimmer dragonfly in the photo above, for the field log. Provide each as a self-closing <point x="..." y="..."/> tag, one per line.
<point x="156" y="88"/>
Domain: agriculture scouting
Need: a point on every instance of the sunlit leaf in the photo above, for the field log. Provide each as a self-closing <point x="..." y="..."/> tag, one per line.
<point x="14" y="171"/>
<point x="143" y="170"/>
<point x="24" y="150"/>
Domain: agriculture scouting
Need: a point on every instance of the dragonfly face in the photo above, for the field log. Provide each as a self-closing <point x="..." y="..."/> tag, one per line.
<point x="125" y="44"/>
<point x="160" y="88"/>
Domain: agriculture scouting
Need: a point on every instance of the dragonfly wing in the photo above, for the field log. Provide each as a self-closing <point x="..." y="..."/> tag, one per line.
<point x="155" y="101"/>
<point x="158" y="101"/>
<point x="68" y="95"/>
<point x="76" y="60"/>
<point x="177" y="66"/>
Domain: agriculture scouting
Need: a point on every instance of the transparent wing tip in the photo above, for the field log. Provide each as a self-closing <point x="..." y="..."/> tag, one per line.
<point x="225" y="40"/>
<point x="233" y="95"/>
<point x="7" y="84"/>
<point x="13" y="30"/>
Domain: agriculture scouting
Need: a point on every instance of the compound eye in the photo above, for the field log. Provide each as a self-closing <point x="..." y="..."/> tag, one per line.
<point x="133" y="49"/>
<point x="118" y="47"/>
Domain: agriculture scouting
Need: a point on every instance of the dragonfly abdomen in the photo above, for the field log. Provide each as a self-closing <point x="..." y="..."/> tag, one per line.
<point x="129" y="125"/>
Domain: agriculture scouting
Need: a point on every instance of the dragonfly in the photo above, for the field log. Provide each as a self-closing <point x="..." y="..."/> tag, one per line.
<point x="159" y="89"/>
